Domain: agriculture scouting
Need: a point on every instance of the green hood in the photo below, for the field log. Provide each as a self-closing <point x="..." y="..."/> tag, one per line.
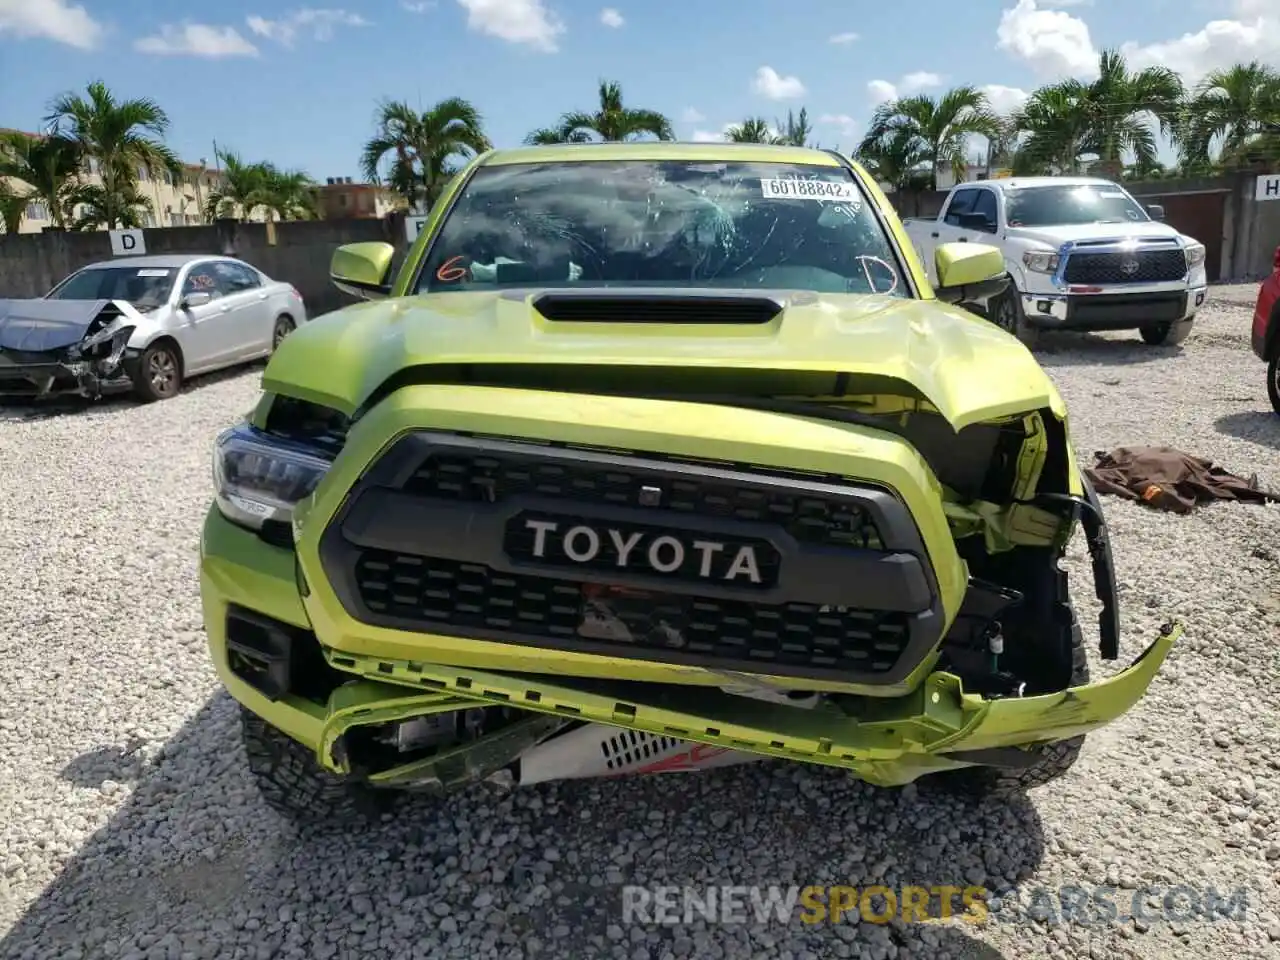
<point x="819" y="345"/>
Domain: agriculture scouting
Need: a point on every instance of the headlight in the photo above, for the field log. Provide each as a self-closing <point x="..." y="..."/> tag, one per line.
<point x="257" y="478"/>
<point x="1195" y="254"/>
<point x="1041" y="261"/>
<point x="118" y="338"/>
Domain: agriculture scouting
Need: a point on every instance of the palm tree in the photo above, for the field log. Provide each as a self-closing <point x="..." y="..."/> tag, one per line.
<point x="898" y="159"/>
<point x="938" y="128"/>
<point x="243" y="190"/>
<point x="124" y="136"/>
<point x="1109" y="118"/>
<point x="48" y="165"/>
<point x="612" y="121"/>
<point x="98" y="208"/>
<point x="1231" y="109"/>
<point x="1057" y="120"/>
<point x="13" y="207"/>
<point x="1122" y="105"/>
<point x="421" y="147"/>
<point x="797" y="130"/>
<point x="752" y="130"/>
<point x="548" y="135"/>
<point x="287" y="194"/>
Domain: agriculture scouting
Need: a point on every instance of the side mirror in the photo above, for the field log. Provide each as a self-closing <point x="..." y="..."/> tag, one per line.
<point x="977" y="221"/>
<point x="969" y="271"/>
<point x="363" y="269"/>
<point x="197" y="298"/>
<point x="1156" y="210"/>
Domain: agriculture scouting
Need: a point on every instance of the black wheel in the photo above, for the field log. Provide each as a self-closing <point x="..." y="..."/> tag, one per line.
<point x="1273" y="381"/>
<point x="292" y="781"/>
<point x="158" y="373"/>
<point x="284" y="326"/>
<point x="1052" y="760"/>
<point x="1007" y="314"/>
<point x="1166" y="334"/>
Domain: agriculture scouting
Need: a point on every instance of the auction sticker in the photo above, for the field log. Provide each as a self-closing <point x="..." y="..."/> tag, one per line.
<point x="797" y="189"/>
<point x="153" y="273"/>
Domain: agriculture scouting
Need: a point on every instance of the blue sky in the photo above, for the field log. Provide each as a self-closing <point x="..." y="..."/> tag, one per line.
<point x="298" y="82"/>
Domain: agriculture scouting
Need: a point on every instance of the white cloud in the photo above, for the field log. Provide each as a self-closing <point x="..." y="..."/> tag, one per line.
<point x="692" y="115"/>
<point x="1004" y="100"/>
<point x="516" y="21"/>
<point x="846" y="125"/>
<point x="1053" y="42"/>
<point x="50" y="20"/>
<point x="918" y="81"/>
<point x="1217" y="45"/>
<point x="708" y="136"/>
<point x="846" y="37"/>
<point x="881" y="91"/>
<point x="611" y="18"/>
<point x="196" y="40"/>
<point x="320" y="24"/>
<point x="769" y="83"/>
<point x="417" y="6"/>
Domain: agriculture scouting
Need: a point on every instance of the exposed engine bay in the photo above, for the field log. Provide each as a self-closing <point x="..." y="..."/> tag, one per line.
<point x="52" y="348"/>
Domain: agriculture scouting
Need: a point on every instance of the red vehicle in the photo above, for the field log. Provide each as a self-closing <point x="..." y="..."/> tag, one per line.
<point x="1266" y="331"/>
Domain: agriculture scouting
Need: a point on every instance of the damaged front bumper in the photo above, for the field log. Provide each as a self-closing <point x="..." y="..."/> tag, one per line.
<point x="49" y="376"/>
<point x="52" y="348"/>
<point x="886" y="741"/>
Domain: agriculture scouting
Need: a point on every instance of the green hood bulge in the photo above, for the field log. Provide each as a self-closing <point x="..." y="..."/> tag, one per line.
<point x="968" y="369"/>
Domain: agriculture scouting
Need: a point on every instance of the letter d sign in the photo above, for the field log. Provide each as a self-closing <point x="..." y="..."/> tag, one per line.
<point x="127" y="243"/>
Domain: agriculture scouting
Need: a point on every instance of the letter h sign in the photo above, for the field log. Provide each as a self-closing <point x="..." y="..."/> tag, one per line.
<point x="1268" y="187"/>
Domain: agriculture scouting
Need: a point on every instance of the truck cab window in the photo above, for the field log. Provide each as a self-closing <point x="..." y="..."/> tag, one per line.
<point x="985" y="205"/>
<point x="961" y="202"/>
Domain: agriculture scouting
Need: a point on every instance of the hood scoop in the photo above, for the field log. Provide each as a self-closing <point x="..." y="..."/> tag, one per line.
<point x="657" y="306"/>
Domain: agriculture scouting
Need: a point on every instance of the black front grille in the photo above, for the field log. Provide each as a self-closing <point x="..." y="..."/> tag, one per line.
<point x="1137" y="266"/>
<point x="472" y="599"/>
<point x="442" y="536"/>
<point x="492" y="478"/>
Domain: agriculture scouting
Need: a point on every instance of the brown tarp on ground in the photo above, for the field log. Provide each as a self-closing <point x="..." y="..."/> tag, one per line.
<point x="1169" y="479"/>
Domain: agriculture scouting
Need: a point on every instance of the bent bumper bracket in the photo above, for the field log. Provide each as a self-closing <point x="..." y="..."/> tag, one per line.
<point x="932" y="728"/>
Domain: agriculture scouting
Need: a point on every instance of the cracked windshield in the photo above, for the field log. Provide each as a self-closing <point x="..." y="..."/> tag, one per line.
<point x="660" y="224"/>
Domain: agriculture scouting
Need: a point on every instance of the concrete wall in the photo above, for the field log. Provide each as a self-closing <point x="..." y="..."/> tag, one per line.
<point x="30" y="264"/>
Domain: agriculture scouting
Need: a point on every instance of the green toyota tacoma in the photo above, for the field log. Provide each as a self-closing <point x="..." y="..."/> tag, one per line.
<point x="655" y="457"/>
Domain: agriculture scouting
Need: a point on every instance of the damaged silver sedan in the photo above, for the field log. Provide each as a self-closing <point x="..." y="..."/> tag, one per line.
<point x="142" y="326"/>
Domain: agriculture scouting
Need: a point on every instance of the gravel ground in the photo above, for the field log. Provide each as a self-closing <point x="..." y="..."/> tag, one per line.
<point x="131" y="830"/>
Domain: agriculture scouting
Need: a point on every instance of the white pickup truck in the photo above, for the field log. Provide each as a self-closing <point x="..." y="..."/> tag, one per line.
<point x="1082" y="254"/>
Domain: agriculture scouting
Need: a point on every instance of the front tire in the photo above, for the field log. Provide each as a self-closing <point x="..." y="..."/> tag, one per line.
<point x="1007" y="314"/>
<point x="293" y="783"/>
<point x="1273" y="381"/>
<point x="1166" y="334"/>
<point x="284" y="326"/>
<point x="158" y="374"/>
<point x="1052" y="760"/>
